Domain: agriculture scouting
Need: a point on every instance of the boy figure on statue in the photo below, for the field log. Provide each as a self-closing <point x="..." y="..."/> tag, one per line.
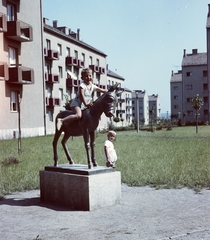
<point x="83" y="98"/>
<point x="109" y="151"/>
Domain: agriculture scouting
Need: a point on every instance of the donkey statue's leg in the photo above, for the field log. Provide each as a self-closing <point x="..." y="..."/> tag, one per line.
<point x="54" y="143"/>
<point x="92" y="146"/>
<point x="63" y="142"/>
<point x="87" y="147"/>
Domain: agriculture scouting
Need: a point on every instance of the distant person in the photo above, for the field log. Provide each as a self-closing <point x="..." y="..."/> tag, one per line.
<point x="83" y="99"/>
<point x="109" y="151"/>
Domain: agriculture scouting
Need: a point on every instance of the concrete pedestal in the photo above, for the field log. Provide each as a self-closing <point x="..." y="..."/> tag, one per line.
<point x="79" y="188"/>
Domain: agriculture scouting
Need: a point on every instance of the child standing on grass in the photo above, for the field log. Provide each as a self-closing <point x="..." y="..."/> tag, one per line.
<point x="109" y="151"/>
<point x="83" y="98"/>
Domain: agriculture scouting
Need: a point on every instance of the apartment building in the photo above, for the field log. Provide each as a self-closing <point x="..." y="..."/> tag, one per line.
<point x="21" y="85"/>
<point x="191" y="80"/>
<point x="124" y="106"/>
<point x="140" y="105"/>
<point x="65" y="57"/>
<point x="154" y="107"/>
<point x="40" y="69"/>
<point x="176" y="95"/>
<point x="207" y="84"/>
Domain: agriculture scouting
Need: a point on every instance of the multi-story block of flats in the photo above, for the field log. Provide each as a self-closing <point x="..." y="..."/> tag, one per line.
<point x="21" y="84"/>
<point x="190" y="81"/>
<point x="65" y="57"/>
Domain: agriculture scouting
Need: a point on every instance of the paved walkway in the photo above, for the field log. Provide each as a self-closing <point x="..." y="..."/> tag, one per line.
<point x="144" y="213"/>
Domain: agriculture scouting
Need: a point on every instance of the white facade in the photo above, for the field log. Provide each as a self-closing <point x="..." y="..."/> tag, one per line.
<point x="21" y="69"/>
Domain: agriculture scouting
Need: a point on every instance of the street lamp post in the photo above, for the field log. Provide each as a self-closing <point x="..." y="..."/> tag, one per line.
<point x="137" y="106"/>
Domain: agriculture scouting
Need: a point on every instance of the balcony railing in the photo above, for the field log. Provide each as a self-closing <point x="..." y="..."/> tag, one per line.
<point x="3" y="22"/>
<point x="71" y="61"/>
<point x="21" y="75"/>
<point x="52" y="78"/>
<point x="4" y="72"/>
<point x="120" y="111"/>
<point x="121" y="100"/>
<point x="72" y="82"/>
<point x="52" y="102"/>
<point x="19" y="31"/>
<point x="51" y="54"/>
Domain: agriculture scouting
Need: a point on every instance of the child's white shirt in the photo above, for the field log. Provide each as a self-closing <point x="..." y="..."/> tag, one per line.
<point x="111" y="151"/>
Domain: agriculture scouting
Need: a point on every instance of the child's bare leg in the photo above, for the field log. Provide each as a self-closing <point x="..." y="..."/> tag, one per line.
<point x="77" y="115"/>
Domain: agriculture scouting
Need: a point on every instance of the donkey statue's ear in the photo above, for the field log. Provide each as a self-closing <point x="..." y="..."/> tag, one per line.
<point x="114" y="87"/>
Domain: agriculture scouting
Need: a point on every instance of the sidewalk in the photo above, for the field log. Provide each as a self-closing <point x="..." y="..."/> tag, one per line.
<point x="144" y="213"/>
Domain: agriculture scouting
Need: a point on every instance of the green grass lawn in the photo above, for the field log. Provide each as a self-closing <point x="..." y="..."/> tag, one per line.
<point x="162" y="159"/>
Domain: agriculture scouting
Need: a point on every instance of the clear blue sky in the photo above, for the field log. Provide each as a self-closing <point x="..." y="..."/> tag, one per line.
<point x="143" y="39"/>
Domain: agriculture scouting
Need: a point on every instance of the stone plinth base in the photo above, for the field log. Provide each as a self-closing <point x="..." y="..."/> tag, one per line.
<point x="79" y="188"/>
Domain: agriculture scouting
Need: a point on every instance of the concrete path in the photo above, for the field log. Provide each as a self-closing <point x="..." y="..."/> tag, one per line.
<point x="144" y="213"/>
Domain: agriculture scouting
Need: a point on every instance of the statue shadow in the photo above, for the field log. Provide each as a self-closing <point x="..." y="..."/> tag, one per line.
<point x="31" y="201"/>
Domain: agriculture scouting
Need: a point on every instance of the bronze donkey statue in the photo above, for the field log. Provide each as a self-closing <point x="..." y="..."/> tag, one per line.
<point x="86" y="126"/>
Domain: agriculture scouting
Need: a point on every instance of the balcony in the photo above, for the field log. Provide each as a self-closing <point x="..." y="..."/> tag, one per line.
<point x="21" y="75"/>
<point x="72" y="82"/>
<point x="51" y="54"/>
<point x="52" y="78"/>
<point x="101" y="86"/>
<point x="94" y="68"/>
<point x="3" y="22"/>
<point x="128" y="107"/>
<point x="71" y="61"/>
<point x="101" y="70"/>
<point x="4" y="72"/>
<point x="52" y="102"/>
<point x="81" y="64"/>
<point x="19" y="31"/>
<point x="120" y="111"/>
<point x="129" y="115"/>
<point x="121" y="100"/>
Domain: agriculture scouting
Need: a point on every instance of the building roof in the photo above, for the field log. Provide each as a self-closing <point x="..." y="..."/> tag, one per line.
<point x="194" y="58"/>
<point x="71" y="38"/>
<point x="176" y="77"/>
<point x="115" y="75"/>
<point x="153" y="97"/>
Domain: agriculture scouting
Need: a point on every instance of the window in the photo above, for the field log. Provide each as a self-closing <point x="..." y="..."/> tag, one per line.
<point x="13" y="101"/>
<point x="175" y="106"/>
<point x="97" y="78"/>
<point x="175" y="87"/>
<point x="49" y="92"/>
<point x="83" y="57"/>
<point x="10" y="12"/>
<point x="60" y="72"/>
<point x="97" y="62"/>
<point x="189" y="74"/>
<point x="189" y="100"/>
<point x="48" y="65"/>
<point x="68" y="52"/>
<point x="48" y="44"/>
<point x="176" y="97"/>
<point x="76" y="72"/>
<point x="12" y="56"/>
<point x="190" y="113"/>
<point x="50" y="115"/>
<point x="61" y="93"/>
<point x="205" y="73"/>
<point x="90" y="60"/>
<point x="188" y="87"/>
<point x="205" y="99"/>
<point x="60" y="49"/>
<point x="205" y="86"/>
<point x="76" y="54"/>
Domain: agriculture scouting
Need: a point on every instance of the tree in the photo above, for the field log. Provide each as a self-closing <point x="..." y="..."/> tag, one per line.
<point x="197" y="103"/>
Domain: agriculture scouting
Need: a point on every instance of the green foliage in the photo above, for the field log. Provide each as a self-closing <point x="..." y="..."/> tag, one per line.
<point x="169" y="159"/>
